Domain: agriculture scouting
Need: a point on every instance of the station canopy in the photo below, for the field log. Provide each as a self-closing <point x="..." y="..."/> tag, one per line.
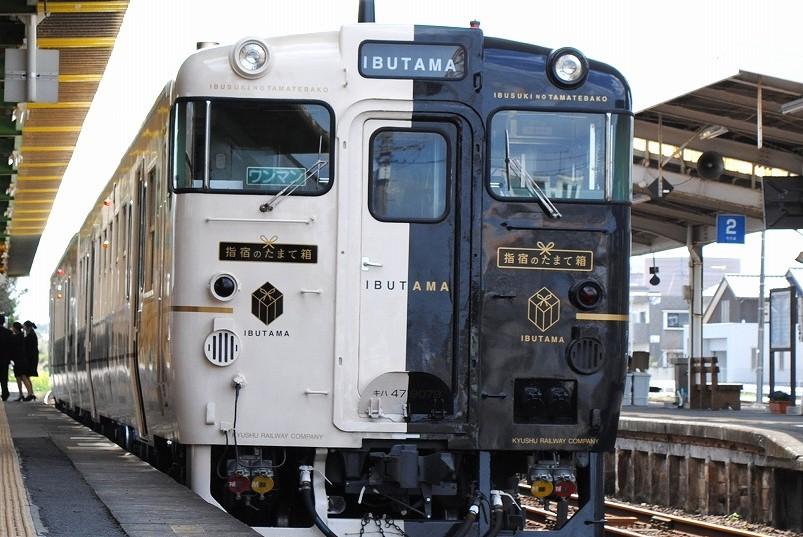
<point x="37" y="138"/>
<point x="754" y="122"/>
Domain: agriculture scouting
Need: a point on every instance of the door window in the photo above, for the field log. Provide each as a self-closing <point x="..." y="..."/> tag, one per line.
<point x="408" y="177"/>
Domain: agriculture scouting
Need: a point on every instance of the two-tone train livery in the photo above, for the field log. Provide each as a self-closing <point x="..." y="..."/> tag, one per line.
<point x="363" y="281"/>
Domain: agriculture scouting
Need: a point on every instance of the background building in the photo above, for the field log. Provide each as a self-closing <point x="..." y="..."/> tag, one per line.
<point x="731" y="326"/>
<point x="659" y="313"/>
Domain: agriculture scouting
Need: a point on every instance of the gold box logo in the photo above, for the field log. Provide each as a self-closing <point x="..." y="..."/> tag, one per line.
<point x="543" y="309"/>
<point x="267" y="303"/>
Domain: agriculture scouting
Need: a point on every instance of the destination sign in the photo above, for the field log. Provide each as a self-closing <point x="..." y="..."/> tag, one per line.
<point x="268" y="252"/>
<point x="545" y="257"/>
<point x="275" y="175"/>
<point x="412" y="60"/>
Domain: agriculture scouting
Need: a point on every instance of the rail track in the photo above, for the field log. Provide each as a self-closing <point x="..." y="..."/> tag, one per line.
<point x="625" y="520"/>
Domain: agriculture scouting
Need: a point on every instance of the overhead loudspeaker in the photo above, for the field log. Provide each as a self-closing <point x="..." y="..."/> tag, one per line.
<point x="710" y="165"/>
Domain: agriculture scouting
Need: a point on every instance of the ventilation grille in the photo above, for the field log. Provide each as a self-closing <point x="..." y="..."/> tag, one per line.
<point x="586" y="355"/>
<point x="222" y="347"/>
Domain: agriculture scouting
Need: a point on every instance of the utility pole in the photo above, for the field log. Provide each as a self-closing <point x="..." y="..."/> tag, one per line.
<point x="760" y="348"/>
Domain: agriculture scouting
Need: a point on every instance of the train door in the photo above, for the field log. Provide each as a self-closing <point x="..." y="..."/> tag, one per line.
<point x="162" y="277"/>
<point x="85" y="337"/>
<point x="413" y="273"/>
<point x="150" y="329"/>
<point x="73" y="375"/>
<point x="139" y="294"/>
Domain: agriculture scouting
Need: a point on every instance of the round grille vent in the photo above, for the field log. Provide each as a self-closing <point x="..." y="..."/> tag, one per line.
<point x="222" y="347"/>
<point x="585" y="355"/>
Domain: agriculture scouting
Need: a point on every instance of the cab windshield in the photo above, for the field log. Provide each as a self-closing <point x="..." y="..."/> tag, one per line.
<point x="251" y="147"/>
<point x="562" y="154"/>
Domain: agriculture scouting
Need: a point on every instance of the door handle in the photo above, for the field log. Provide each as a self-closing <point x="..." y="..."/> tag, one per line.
<point x="504" y="294"/>
<point x="367" y="264"/>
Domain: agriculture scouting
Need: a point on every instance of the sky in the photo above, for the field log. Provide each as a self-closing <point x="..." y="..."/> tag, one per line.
<point x="663" y="48"/>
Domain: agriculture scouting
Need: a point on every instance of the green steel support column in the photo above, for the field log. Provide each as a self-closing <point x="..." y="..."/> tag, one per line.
<point x="18" y="6"/>
<point x="7" y="127"/>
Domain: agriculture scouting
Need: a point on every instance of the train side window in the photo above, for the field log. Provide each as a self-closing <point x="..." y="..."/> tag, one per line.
<point x="97" y="298"/>
<point x="149" y="229"/>
<point x="622" y="127"/>
<point x="128" y="230"/>
<point x="409" y="176"/>
<point x="189" y="144"/>
<point x="116" y="238"/>
<point x="105" y="250"/>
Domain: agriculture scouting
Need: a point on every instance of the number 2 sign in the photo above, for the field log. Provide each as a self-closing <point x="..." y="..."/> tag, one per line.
<point x="730" y="228"/>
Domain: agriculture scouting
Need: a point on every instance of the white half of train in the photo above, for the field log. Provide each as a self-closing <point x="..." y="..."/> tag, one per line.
<point x="292" y="272"/>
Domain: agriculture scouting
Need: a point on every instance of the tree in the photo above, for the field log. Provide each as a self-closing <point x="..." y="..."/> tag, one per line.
<point x="9" y="296"/>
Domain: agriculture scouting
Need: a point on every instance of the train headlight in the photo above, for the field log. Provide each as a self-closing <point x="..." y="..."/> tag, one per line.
<point x="223" y="286"/>
<point x="567" y="67"/>
<point x="586" y="295"/>
<point x="250" y="57"/>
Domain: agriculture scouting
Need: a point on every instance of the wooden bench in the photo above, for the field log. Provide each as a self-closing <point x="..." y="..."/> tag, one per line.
<point x="707" y="392"/>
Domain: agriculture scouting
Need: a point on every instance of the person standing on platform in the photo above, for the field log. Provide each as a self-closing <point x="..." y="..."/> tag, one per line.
<point x="31" y="356"/>
<point x="5" y="356"/>
<point x="22" y="366"/>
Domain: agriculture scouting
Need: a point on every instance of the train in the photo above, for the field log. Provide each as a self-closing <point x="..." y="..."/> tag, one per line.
<point x="363" y="281"/>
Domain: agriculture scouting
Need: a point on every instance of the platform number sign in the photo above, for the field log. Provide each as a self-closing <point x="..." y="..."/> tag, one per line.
<point x="730" y="228"/>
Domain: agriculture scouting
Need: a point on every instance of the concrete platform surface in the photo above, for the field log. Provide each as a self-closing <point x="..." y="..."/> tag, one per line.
<point x="758" y="418"/>
<point x="776" y="436"/>
<point x="80" y="483"/>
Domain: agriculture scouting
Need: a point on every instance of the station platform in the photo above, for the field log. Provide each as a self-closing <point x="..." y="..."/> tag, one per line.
<point x="746" y="463"/>
<point x="61" y="479"/>
<point x="777" y="436"/>
<point x="750" y="417"/>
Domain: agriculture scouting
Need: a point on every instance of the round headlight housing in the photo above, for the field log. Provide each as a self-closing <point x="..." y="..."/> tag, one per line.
<point x="223" y="286"/>
<point x="567" y="67"/>
<point x="586" y="295"/>
<point x="250" y="57"/>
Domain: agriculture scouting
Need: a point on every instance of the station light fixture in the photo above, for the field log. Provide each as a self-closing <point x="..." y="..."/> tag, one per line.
<point x="792" y="106"/>
<point x="15" y="158"/>
<point x="654" y="270"/>
<point x="712" y="131"/>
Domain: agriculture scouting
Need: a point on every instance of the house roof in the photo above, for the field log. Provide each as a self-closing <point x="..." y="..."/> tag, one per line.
<point x="743" y="286"/>
<point x="747" y="285"/>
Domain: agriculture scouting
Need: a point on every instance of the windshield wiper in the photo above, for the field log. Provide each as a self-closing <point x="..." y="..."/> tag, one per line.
<point x="293" y="186"/>
<point x="511" y="163"/>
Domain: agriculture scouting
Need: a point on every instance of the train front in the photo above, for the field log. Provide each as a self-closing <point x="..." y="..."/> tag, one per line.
<point x="401" y="279"/>
<point x="553" y="312"/>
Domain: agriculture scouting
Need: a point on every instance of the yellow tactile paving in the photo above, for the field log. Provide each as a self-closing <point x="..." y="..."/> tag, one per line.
<point x="15" y="513"/>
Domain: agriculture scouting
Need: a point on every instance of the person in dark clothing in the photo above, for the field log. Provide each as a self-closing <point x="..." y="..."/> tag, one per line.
<point x="31" y="351"/>
<point x="22" y="368"/>
<point x="5" y="356"/>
